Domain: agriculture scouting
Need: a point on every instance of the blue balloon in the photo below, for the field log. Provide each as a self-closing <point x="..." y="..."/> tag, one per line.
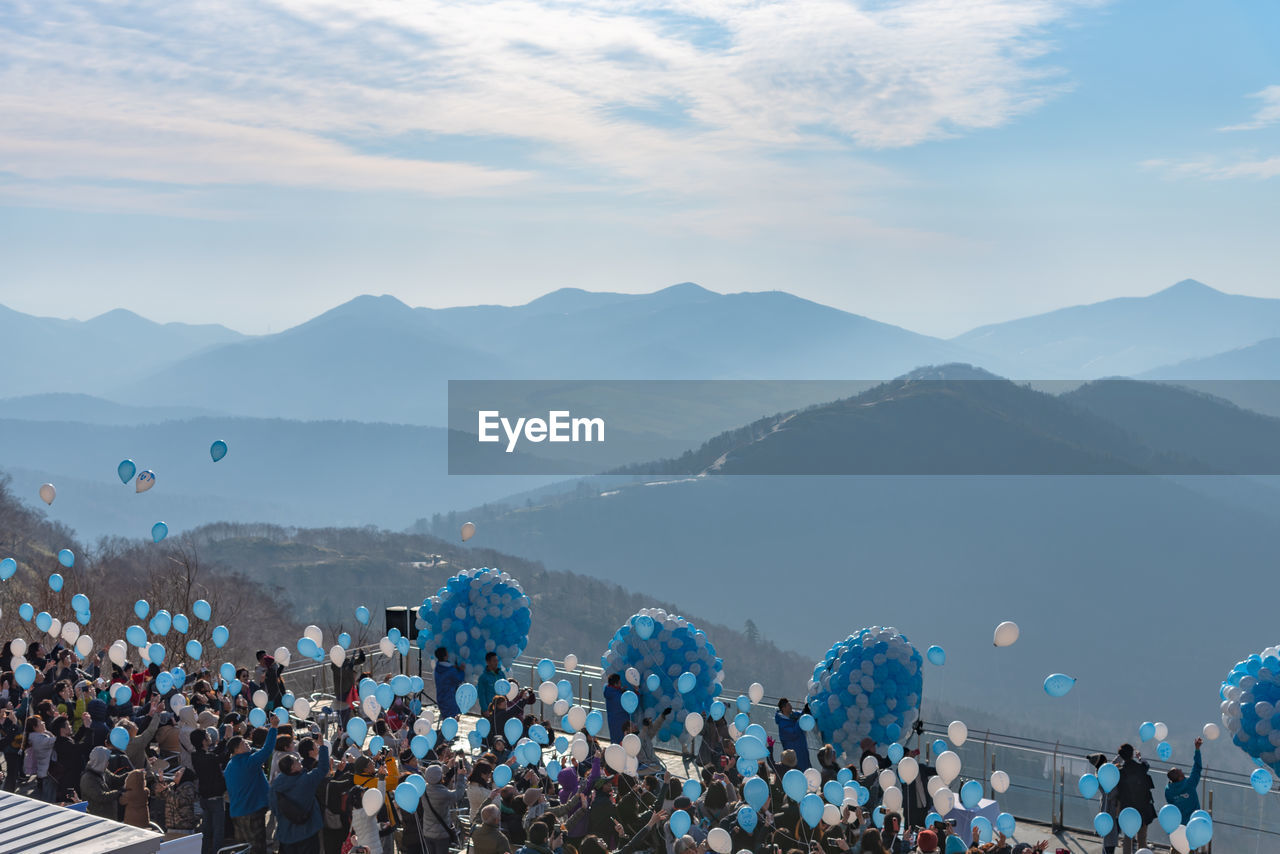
<point x="155" y="652"/>
<point x="306" y="647"/>
<point x="366" y="688"/>
<point x="539" y="734"/>
<point x="122" y="694"/>
<point x="119" y="737"/>
<point x="407" y="798"/>
<point x="161" y="622"/>
<point x="25" y="675"/>
<point x="393" y="634"/>
<point x="1088" y="786"/>
<point x="126" y="470"/>
<point x="806" y="723"/>
<point x="80" y="602"/>
<point x="83" y="617"/>
<point x="1164" y="750"/>
<point x="741" y="721"/>
<point x="562" y="745"/>
<point x="755" y="792"/>
<point x="288" y="700"/>
<point x="811" y="809"/>
<point x="686" y="682"/>
<point x="843" y="776"/>
<point x="631" y="702"/>
<point x="473" y="739"/>
<point x="833" y="792"/>
<point x="983" y="824"/>
<point x="1147" y="731"/>
<point x="159" y="531"/>
<point x="282" y="715"/>
<point x="357" y="729"/>
<point x="384" y="695"/>
<point x="895" y="753"/>
<point x="202" y="609"/>
<point x="747" y="817"/>
<point x="43" y="621"/>
<point x="362" y="615"/>
<point x="1058" y="685"/>
<point x="1199" y="832"/>
<point x="546" y="670"/>
<point x="937" y="655"/>
<point x="747" y="767"/>
<point x="220" y="636"/>
<point x="55" y="582"/>
<point x="743" y="703"/>
<point x="1103" y="823"/>
<point x="8" y="567"/>
<point x="67" y="558"/>
<point x="419" y="746"/>
<point x="344" y="640"/>
<point x="716" y="712"/>
<point x="234" y="687"/>
<point x="257" y="717"/>
<point x="644" y="626"/>
<point x="513" y="729"/>
<point x="652" y="682"/>
<point x="1006" y="824"/>
<point x="971" y="794"/>
<point x="594" y="722"/>
<point x="1130" y="821"/>
<point x="164" y="682"/>
<point x="1108" y="776"/>
<point x="751" y="748"/>
<point x="795" y="784"/>
<point x="217" y="451"/>
<point x="181" y="623"/>
<point x="415" y="782"/>
<point x="466" y="697"/>
<point x="691" y="789"/>
<point x="1261" y="780"/>
<point x="26" y="612"/>
<point x="679" y="823"/>
<point x="141" y="609"/>
<point x="375" y="745"/>
<point x="564" y="690"/>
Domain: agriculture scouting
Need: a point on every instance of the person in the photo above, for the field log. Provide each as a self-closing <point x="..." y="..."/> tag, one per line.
<point x="1181" y="790"/>
<point x="448" y="677"/>
<point x="136" y="799"/>
<point x="210" y="789"/>
<point x="543" y="839"/>
<point x="99" y="787"/>
<point x="435" y="806"/>
<point x="1135" y="791"/>
<point x="488" y="838"/>
<point x="647" y="758"/>
<point x="790" y="733"/>
<point x="292" y="797"/>
<point x="617" y="716"/>
<point x="488" y="679"/>
<point x="247" y="788"/>
<point x="180" y="805"/>
<point x="1109" y="804"/>
<point x="927" y="841"/>
<point x="37" y="757"/>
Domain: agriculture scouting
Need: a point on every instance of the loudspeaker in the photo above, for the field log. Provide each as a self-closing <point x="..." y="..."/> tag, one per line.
<point x="398" y="617"/>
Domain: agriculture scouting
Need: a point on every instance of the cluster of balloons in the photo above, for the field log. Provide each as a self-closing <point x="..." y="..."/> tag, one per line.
<point x="667" y="661"/>
<point x="1250" y="699"/>
<point x="868" y="685"/>
<point x="476" y="612"/>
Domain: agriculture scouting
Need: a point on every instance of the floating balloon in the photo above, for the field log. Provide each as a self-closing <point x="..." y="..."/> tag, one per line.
<point x="1006" y="634"/>
<point x="867" y="684"/>
<point x="958" y="733"/>
<point x="971" y="794"/>
<point x="747" y="816"/>
<point x="468" y="530"/>
<point x="476" y="612"/>
<point x="1250" y="695"/>
<point x="1211" y="731"/>
<point x="811" y="809"/>
<point x="1261" y="780"/>
<point x="937" y="655"/>
<point x="145" y="481"/>
<point x="67" y="558"/>
<point x="1130" y="821"/>
<point x="1102" y="823"/>
<point x="1006" y="824"/>
<point x="909" y="769"/>
<point x="25" y="675"/>
<point x="371" y="802"/>
<point x="180" y="623"/>
<point x="126" y="470"/>
<point x="674" y="653"/>
<point x="1058" y="685"/>
<point x="55" y="582"/>
<point x="999" y="782"/>
<point x="1088" y="786"/>
<point x="43" y="621"/>
<point x="194" y="649"/>
<point x="1164" y="750"/>
<point x="1162" y="731"/>
<point x="220" y="636"/>
<point x="8" y="567"/>
<point x="1147" y="731"/>
<point x="631" y="702"/>
<point x="47" y="493"/>
<point x="948" y="766"/>
<point x="218" y="450"/>
<point x="1108" y="776"/>
<point x="1199" y="832"/>
<point x="159" y="531"/>
<point x="202" y="609"/>
<point x="119" y="737"/>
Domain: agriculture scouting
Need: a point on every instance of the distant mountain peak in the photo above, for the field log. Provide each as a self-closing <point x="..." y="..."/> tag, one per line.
<point x="1188" y="288"/>
<point x="365" y="307"/>
<point x="952" y="371"/>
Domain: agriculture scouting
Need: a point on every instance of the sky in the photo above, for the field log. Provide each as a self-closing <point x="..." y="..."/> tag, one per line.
<point x="937" y="164"/>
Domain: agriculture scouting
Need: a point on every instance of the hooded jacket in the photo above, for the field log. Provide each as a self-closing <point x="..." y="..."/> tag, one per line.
<point x="136" y="799"/>
<point x="99" y="786"/>
<point x="1183" y="795"/>
<point x="301" y="789"/>
<point x="246" y="783"/>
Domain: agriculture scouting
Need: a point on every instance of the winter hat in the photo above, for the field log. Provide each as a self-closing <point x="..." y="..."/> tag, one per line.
<point x="927" y="842"/>
<point x="433" y="774"/>
<point x="98" y="759"/>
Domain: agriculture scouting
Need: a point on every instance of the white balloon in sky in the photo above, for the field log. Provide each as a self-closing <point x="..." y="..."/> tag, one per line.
<point x="1212" y="731"/>
<point x="948" y="765"/>
<point x="756" y="692"/>
<point x="48" y="493"/>
<point x="958" y="733"/>
<point x="1007" y="633"/>
<point x="1162" y="731"/>
<point x="999" y="781"/>
<point x="468" y="530"/>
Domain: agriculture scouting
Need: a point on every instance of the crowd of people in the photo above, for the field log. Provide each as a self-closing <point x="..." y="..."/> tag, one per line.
<point x="194" y="763"/>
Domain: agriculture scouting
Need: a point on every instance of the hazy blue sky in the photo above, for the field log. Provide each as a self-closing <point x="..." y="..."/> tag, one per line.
<point x="932" y="163"/>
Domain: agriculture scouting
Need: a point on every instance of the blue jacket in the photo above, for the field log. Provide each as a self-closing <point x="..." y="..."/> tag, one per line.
<point x="246" y="781"/>
<point x="792" y="737"/>
<point x="448" y="678"/>
<point x="301" y="789"/>
<point x="1183" y="794"/>
<point x="484" y="687"/>
<point x="616" y="714"/>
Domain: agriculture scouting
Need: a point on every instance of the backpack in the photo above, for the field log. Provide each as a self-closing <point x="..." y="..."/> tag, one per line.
<point x="291" y="811"/>
<point x="339" y="798"/>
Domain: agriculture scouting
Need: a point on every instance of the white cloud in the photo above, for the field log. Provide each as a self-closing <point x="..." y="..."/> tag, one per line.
<point x="1217" y="168"/>
<point x="359" y="94"/>
<point x="1268" y="114"/>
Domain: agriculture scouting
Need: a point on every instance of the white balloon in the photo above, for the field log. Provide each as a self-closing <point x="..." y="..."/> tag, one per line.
<point x="371" y="707"/>
<point x="70" y="631"/>
<point x="84" y="645"/>
<point x="421" y="726"/>
<point x="632" y="768"/>
<point x="1179" y="839"/>
<point x="755" y="692"/>
<point x="908" y="769"/>
<point x="814" y="778"/>
<point x="547" y="692"/>
<point x="633" y="676"/>
<point x="958" y="733"/>
<point x="869" y="765"/>
<point x="1162" y="731"/>
<point x="943" y="801"/>
<point x="302" y="707"/>
<point x="580" y="750"/>
<point x="948" y="765"/>
<point x="48" y="493"/>
<point x="1212" y="731"/>
<point x="314" y="633"/>
<point x="570" y="662"/>
<point x="577" y="717"/>
<point x="935" y="783"/>
<point x="177" y="701"/>
<point x="386" y="647"/>
<point x="1000" y="781"/>
<point x="830" y="815"/>
<point x="892" y="799"/>
<point x="372" y="802"/>
<point x="260" y="698"/>
<point x="468" y="530"/>
<point x="693" y="723"/>
<point x="887" y="779"/>
<point x="720" y="841"/>
<point x="282" y="656"/>
<point x="55" y="628"/>
<point x="337" y="654"/>
<point x="118" y="653"/>
<point x="631" y="744"/>
<point x="615" y="756"/>
<point x="18" y="646"/>
<point x="1007" y="633"/>
<point x="561" y="708"/>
